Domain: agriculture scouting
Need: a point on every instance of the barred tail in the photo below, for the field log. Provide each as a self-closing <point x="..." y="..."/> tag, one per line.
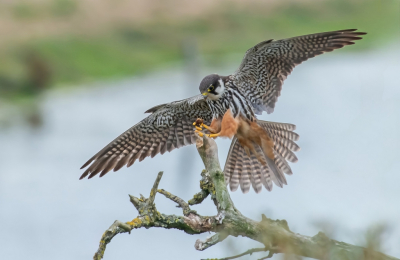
<point x="242" y="169"/>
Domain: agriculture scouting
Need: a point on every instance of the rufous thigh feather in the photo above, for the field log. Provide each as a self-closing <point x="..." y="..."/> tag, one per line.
<point x="249" y="134"/>
<point x="215" y="125"/>
<point x="266" y="142"/>
<point x="229" y="125"/>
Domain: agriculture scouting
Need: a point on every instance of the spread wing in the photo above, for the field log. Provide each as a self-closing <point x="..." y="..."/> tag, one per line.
<point x="265" y="66"/>
<point x="169" y="126"/>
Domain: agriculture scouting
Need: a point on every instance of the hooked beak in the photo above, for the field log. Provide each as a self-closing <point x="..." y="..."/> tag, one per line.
<point x="205" y="94"/>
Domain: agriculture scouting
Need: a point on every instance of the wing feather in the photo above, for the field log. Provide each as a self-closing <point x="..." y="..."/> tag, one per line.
<point x="168" y="127"/>
<point x="265" y="66"/>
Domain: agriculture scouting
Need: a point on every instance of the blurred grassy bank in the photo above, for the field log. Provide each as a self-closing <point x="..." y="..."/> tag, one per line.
<point x="126" y="47"/>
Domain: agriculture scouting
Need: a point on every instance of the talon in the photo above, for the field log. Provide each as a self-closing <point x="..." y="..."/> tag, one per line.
<point x="199" y="133"/>
<point x="198" y="122"/>
<point x="206" y="127"/>
<point x="198" y="128"/>
<point x="213" y="135"/>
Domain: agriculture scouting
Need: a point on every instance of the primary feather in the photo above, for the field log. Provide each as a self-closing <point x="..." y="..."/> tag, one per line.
<point x="167" y="128"/>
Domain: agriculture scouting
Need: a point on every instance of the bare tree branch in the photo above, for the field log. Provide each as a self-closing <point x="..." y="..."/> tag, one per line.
<point x="182" y="204"/>
<point x="204" y="186"/>
<point x="275" y="235"/>
<point x="210" y="241"/>
<point x="248" y="252"/>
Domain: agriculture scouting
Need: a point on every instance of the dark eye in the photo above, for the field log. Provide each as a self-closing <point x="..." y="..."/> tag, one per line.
<point x="211" y="88"/>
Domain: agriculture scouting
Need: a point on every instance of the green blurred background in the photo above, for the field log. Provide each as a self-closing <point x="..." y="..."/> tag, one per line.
<point x="346" y="180"/>
<point x="53" y="43"/>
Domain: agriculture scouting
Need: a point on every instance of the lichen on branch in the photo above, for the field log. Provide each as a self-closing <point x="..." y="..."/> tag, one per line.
<point x="274" y="235"/>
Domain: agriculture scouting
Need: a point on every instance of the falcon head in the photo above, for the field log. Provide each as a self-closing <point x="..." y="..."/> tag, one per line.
<point x="212" y="87"/>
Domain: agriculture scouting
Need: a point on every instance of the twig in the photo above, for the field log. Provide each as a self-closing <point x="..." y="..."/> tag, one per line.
<point x="182" y="204"/>
<point x="248" y="252"/>
<point x="271" y="253"/>
<point x="210" y="241"/>
<point x="198" y="197"/>
<point x="153" y="191"/>
<point x="116" y="228"/>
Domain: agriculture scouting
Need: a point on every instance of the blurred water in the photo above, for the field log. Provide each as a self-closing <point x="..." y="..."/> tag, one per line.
<point x="347" y="111"/>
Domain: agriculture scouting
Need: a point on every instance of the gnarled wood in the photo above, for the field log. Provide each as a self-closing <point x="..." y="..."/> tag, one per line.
<point x="275" y="235"/>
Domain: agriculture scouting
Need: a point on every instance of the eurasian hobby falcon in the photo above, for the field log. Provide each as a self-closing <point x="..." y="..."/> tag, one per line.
<point x="226" y="107"/>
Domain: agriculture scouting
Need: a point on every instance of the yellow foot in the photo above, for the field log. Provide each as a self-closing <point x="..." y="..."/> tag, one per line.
<point x="198" y="122"/>
<point x="213" y="135"/>
<point x="199" y="133"/>
<point x="199" y="127"/>
<point x="207" y="127"/>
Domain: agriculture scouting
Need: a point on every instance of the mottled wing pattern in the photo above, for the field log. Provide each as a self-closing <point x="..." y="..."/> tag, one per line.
<point x="265" y="66"/>
<point x="168" y="127"/>
<point x="241" y="169"/>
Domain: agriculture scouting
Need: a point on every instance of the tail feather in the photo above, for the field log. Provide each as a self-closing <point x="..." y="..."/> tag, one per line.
<point x="237" y="171"/>
<point x="256" y="174"/>
<point x="277" y="175"/>
<point x="283" y="134"/>
<point x="282" y="164"/>
<point x="245" y="175"/>
<point x="283" y="150"/>
<point x="266" y="178"/>
<point x="277" y="126"/>
<point x="289" y="144"/>
<point x="231" y="160"/>
<point x="244" y="169"/>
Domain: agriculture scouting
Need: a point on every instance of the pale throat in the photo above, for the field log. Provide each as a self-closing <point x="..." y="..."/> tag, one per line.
<point x="220" y="92"/>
